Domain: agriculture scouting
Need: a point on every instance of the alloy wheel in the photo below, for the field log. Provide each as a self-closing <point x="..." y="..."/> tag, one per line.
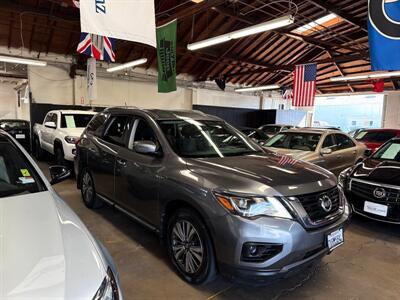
<point x="187" y="246"/>
<point x="87" y="187"/>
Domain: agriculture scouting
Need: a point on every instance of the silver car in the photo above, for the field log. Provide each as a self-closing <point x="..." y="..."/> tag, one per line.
<point x="46" y="252"/>
<point x="219" y="201"/>
<point x="330" y="149"/>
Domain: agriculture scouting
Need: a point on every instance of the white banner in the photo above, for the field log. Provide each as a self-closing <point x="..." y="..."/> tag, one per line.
<point x="91" y="79"/>
<point x="130" y="20"/>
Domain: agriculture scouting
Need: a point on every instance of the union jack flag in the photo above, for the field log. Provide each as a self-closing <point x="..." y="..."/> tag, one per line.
<point x="97" y="46"/>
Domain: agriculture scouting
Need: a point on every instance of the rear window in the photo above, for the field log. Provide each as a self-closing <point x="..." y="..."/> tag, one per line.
<point x="14" y="124"/>
<point x="75" y="120"/>
<point x="17" y="176"/>
<point x="295" y="141"/>
<point x="375" y="136"/>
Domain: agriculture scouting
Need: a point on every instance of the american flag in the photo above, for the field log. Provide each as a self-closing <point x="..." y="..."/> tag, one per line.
<point x="286" y="160"/>
<point x="97" y="46"/>
<point x="305" y="83"/>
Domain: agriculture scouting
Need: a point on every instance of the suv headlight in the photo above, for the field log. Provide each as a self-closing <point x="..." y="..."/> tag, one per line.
<point x="108" y="289"/>
<point x="250" y="206"/>
<point x="70" y="139"/>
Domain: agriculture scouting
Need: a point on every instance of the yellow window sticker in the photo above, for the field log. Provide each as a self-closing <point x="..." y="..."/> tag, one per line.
<point x="25" y="173"/>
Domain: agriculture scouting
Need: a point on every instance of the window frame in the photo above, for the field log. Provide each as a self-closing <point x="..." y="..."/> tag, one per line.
<point x="109" y="122"/>
<point x="349" y="138"/>
<point x="131" y="136"/>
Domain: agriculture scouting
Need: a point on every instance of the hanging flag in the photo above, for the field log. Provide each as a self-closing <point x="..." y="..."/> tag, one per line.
<point x="379" y="85"/>
<point x="99" y="47"/>
<point x="384" y="34"/>
<point x="287" y="94"/>
<point x="166" y="57"/>
<point x="304" y="86"/>
<point x="132" y="20"/>
<point x="91" y="78"/>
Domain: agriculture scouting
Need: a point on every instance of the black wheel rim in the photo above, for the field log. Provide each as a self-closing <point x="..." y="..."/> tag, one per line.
<point x="187" y="246"/>
<point x="87" y="188"/>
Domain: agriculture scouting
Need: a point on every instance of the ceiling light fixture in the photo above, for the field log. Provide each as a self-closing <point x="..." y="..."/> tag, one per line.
<point x="128" y="65"/>
<point x="369" y="76"/>
<point x="258" y="88"/>
<point x="316" y="24"/>
<point x="23" y="61"/>
<point x="266" y="26"/>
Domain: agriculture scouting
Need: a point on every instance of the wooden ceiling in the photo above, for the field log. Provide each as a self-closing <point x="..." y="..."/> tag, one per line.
<point x="268" y="58"/>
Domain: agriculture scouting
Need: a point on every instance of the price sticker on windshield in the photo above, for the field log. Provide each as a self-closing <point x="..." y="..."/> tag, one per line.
<point x="25" y="173"/>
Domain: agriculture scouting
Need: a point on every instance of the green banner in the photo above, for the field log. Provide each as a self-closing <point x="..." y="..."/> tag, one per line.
<point x="166" y="57"/>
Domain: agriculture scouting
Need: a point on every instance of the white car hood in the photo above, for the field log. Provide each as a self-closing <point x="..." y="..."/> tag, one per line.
<point x="72" y="131"/>
<point x="46" y="251"/>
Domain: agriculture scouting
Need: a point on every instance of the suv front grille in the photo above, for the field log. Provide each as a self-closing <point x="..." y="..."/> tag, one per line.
<point x="366" y="191"/>
<point x="312" y="206"/>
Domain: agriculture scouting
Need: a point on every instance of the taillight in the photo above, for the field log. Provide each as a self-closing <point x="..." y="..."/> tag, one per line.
<point x="77" y="142"/>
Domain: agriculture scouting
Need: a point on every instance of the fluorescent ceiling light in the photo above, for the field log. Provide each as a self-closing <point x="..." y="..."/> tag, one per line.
<point x="369" y="76"/>
<point x="269" y="25"/>
<point x="259" y="88"/>
<point x="316" y="23"/>
<point x="128" y="65"/>
<point x="23" y="61"/>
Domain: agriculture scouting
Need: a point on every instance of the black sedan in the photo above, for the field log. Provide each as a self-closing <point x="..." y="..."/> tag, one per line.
<point x="373" y="186"/>
<point x="257" y="135"/>
<point x="18" y="129"/>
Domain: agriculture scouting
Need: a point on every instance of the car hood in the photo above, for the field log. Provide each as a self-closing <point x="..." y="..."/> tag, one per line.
<point x="72" y="131"/>
<point x="46" y="251"/>
<point x="296" y="154"/>
<point x="376" y="170"/>
<point x="264" y="174"/>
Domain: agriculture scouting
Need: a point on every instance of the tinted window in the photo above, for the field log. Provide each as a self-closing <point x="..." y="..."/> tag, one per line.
<point x="191" y="138"/>
<point x="329" y="143"/>
<point x="343" y="141"/>
<point x="271" y="129"/>
<point x="48" y="117"/>
<point x="12" y="124"/>
<point x="117" y="129"/>
<point x="96" y="125"/>
<point x="255" y="134"/>
<point x="75" y="120"/>
<point x="295" y="141"/>
<point x="144" y="132"/>
<point x="54" y="118"/>
<point x="375" y="136"/>
<point x="17" y="176"/>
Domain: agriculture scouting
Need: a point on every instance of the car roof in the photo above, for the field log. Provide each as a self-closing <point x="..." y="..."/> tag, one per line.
<point x="313" y="130"/>
<point x="381" y="130"/>
<point x="71" y="111"/>
<point x="277" y="125"/>
<point x="163" y="114"/>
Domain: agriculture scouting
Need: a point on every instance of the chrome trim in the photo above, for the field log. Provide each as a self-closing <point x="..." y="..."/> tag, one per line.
<point x="372" y="218"/>
<point x="389" y="186"/>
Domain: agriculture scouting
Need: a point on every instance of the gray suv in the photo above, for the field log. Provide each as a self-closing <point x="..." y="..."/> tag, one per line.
<point x="217" y="199"/>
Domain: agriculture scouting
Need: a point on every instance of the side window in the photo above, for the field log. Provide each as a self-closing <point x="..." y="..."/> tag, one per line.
<point x="54" y="119"/>
<point x="329" y="143"/>
<point x="96" y="125"/>
<point x="384" y="136"/>
<point x="48" y="117"/>
<point x="117" y="130"/>
<point x="142" y="131"/>
<point x="343" y="141"/>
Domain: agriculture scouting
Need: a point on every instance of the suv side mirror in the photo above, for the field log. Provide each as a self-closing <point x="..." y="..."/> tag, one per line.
<point x="368" y="152"/>
<point x="59" y="174"/>
<point x="326" y="151"/>
<point x="50" y="125"/>
<point x="145" y="147"/>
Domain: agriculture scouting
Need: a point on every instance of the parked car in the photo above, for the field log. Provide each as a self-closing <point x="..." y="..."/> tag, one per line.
<point x="255" y="134"/>
<point x="46" y="251"/>
<point x="272" y="129"/>
<point x="218" y="205"/>
<point x="329" y="149"/>
<point x="324" y="127"/>
<point x="19" y="129"/>
<point x="374" y="138"/>
<point x="373" y="187"/>
<point x="355" y="132"/>
<point x="59" y="132"/>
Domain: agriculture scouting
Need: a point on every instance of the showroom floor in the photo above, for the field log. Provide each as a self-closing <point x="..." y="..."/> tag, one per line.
<point x="366" y="267"/>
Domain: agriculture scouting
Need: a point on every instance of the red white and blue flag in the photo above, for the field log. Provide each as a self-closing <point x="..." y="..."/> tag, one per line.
<point x="97" y="46"/>
<point x="305" y="85"/>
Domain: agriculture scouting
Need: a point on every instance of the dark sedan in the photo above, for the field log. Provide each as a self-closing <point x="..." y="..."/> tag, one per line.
<point x="18" y="129"/>
<point x="373" y="186"/>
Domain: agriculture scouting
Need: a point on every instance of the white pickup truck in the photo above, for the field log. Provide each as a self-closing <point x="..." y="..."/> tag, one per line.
<point x="59" y="132"/>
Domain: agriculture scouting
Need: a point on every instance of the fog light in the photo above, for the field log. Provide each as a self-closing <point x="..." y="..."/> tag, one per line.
<point x="258" y="252"/>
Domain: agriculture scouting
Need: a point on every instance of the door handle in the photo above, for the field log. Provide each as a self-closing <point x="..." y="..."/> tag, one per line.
<point x="121" y="162"/>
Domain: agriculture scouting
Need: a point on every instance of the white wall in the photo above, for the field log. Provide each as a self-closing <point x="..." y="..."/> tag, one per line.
<point x="391" y="118"/>
<point x="8" y="101"/>
<point x="225" y="99"/>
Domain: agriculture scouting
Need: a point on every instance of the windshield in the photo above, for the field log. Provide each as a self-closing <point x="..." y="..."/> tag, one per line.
<point x="295" y="141"/>
<point x="17" y="176"/>
<point x="390" y="151"/>
<point x="190" y="138"/>
<point x="75" y="120"/>
<point x="271" y="129"/>
<point x="11" y="124"/>
<point x="255" y="134"/>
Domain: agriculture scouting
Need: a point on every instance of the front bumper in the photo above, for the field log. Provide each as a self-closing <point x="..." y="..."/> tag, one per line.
<point x="301" y="247"/>
<point x="69" y="151"/>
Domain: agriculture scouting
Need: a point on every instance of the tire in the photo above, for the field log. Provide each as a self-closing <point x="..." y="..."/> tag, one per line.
<point x="38" y="152"/>
<point x="88" y="191"/>
<point x="191" y="252"/>
<point x="59" y="156"/>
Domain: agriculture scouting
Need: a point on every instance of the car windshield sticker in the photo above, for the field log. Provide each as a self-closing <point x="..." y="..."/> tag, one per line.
<point x="26" y="180"/>
<point x="391" y="152"/>
<point x="361" y="135"/>
<point x="70" y="120"/>
<point x="25" y="173"/>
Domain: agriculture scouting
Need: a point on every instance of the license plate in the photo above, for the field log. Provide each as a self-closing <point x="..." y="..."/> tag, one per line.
<point x="375" y="208"/>
<point x="20" y="136"/>
<point x="335" y="239"/>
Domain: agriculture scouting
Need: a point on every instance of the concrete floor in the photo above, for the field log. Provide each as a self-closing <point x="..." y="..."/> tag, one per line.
<point x="367" y="266"/>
